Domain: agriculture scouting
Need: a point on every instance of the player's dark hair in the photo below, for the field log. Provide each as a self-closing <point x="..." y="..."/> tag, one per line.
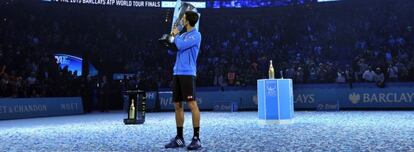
<point x="191" y="17"/>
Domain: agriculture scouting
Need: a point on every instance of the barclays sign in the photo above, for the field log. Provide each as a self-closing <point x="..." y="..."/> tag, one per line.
<point x="391" y="97"/>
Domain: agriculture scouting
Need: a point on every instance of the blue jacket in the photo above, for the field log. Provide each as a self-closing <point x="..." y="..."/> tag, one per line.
<point x="188" y="45"/>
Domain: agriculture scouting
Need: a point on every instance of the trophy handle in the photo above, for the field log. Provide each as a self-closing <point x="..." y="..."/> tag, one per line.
<point x="167" y="41"/>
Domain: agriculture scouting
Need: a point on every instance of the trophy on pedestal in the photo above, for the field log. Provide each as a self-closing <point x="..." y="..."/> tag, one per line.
<point x="137" y="107"/>
<point x="167" y="40"/>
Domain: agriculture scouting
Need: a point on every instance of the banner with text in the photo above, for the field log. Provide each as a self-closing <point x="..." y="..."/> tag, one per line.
<point x="309" y="96"/>
<point x="15" y="108"/>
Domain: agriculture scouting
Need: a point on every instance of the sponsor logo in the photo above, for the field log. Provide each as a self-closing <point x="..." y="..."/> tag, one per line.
<point x="69" y="106"/>
<point x="225" y="106"/>
<point x="356" y="98"/>
<point x="271" y="90"/>
<point x="216" y="107"/>
<point x="254" y="98"/>
<point x="320" y="106"/>
<point x="23" y="109"/>
<point x="327" y="107"/>
<point x="305" y="98"/>
<point x="167" y="101"/>
<point x="150" y="95"/>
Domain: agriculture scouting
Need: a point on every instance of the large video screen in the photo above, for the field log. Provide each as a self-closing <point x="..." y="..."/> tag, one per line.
<point x="196" y="3"/>
<point x="73" y="63"/>
<point x="131" y="3"/>
<point x="255" y="3"/>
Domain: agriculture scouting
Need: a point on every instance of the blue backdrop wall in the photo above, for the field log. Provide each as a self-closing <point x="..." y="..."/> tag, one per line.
<point x="306" y="96"/>
<point x="310" y="96"/>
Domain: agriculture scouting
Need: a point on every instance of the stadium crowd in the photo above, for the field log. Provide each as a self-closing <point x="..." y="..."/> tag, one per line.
<point x="320" y="43"/>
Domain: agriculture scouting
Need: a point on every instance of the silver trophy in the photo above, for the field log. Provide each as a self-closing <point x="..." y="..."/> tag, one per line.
<point x="167" y="40"/>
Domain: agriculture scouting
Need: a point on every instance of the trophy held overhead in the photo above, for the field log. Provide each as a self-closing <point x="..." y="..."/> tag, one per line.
<point x="167" y="40"/>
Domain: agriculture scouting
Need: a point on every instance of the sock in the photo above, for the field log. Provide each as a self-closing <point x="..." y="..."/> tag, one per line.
<point x="197" y="132"/>
<point x="180" y="132"/>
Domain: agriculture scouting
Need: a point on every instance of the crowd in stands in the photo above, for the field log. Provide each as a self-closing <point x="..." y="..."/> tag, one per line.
<point x="339" y="42"/>
<point x="336" y="42"/>
<point x="27" y="67"/>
